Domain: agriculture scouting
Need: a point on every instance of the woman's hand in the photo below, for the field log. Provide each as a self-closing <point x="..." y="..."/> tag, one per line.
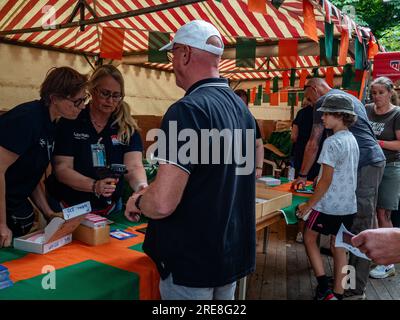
<point x="106" y="187"/>
<point x="5" y="236"/>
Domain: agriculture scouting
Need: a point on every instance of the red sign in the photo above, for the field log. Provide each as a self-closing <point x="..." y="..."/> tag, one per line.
<point x="387" y="64"/>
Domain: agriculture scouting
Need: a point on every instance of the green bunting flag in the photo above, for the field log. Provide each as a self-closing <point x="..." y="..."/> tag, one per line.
<point x="257" y="101"/>
<point x="315" y="72"/>
<point x="300" y="96"/>
<point x="156" y="41"/>
<point x="265" y="98"/>
<point x="350" y="80"/>
<point x="277" y="3"/>
<point x="292" y="99"/>
<point x="324" y="60"/>
<point x="292" y="77"/>
<point x="246" y="52"/>
<point x="328" y="40"/>
<point x="275" y="84"/>
<point x="359" y="55"/>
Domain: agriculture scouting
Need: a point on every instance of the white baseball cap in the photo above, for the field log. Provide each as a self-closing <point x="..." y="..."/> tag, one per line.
<point x="196" y="34"/>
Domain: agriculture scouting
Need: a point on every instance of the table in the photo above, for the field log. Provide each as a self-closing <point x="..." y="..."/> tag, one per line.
<point x="116" y="270"/>
<point x="263" y="223"/>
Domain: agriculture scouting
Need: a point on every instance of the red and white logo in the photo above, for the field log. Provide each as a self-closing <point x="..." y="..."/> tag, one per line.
<point x="395" y="64"/>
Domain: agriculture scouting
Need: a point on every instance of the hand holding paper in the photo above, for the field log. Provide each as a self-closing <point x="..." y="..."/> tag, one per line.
<point x="344" y="240"/>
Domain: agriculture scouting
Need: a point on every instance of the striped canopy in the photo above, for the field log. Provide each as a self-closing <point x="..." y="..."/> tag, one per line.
<point x="77" y="26"/>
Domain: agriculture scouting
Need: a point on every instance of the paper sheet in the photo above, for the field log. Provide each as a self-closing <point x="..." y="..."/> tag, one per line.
<point x="343" y="240"/>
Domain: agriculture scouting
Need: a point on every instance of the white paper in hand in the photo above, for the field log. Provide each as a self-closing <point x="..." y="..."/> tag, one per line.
<point x="343" y="240"/>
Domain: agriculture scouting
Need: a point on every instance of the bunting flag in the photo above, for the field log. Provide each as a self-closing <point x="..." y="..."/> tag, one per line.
<point x="359" y="55"/>
<point x="259" y="6"/>
<point x="285" y="84"/>
<point x="328" y="11"/>
<point x="328" y="40"/>
<point x="248" y="93"/>
<point x="257" y="101"/>
<point x="362" y="86"/>
<point x="253" y="95"/>
<point x="303" y="78"/>
<point x="246" y="52"/>
<point x="373" y="48"/>
<point x="324" y="60"/>
<point x="300" y="96"/>
<point x="112" y="41"/>
<point x="292" y="77"/>
<point x="292" y="99"/>
<point x="268" y="86"/>
<point x="277" y="3"/>
<point x="266" y="97"/>
<point x="156" y="41"/>
<point x="329" y="76"/>
<point x="315" y="72"/>
<point x="274" y="99"/>
<point x="275" y="84"/>
<point x="344" y="47"/>
<point x="352" y="78"/>
<point x="310" y="24"/>
<point x="288" y="53"/>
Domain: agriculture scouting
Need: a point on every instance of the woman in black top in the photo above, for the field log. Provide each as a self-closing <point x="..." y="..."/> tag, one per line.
<point x="105" y="134"/>
<point x="26" y="146"/>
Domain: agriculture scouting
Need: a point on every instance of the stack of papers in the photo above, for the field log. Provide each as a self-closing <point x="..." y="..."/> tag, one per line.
<point x="5" y="281"/>
<point x="269" y="181"/>
<point x="94" y="221"/>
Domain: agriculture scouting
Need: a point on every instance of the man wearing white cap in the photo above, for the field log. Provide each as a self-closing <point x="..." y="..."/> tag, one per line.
<point x="201" y="231"/>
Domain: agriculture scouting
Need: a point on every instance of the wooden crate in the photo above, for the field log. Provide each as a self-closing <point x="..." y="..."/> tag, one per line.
<point x="276" y="200"/>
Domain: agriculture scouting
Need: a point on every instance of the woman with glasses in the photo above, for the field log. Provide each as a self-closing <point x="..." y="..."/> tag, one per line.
<point x="26" y="147"/>
<point x="102" y="138"/>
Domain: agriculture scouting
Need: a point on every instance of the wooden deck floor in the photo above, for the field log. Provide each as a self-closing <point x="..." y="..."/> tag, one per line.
<point x="284" y="273"/>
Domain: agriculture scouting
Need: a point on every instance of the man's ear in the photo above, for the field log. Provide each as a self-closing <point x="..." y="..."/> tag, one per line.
<point x="187" y="54"/>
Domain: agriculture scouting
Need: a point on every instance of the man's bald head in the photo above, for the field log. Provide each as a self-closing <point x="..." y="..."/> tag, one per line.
<point x="315" y="88"/>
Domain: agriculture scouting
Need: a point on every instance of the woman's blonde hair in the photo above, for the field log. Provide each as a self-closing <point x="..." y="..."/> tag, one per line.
<point x="126" y="124"/>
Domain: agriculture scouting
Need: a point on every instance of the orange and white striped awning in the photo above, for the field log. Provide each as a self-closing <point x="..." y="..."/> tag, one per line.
<point x="53" y="24"/>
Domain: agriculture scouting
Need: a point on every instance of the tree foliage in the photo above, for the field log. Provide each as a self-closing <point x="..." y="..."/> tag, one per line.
<point x="382" y="17"/>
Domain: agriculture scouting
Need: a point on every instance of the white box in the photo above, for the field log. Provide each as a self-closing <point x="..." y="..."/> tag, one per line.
<point x="56" y="234"/>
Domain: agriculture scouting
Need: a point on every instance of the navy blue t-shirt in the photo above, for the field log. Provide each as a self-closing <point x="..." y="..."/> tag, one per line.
<point x="74" y="139"/>
<point x="27" y="131"/>
<point x="209" y="240"/>
<point x="370" y="151"/>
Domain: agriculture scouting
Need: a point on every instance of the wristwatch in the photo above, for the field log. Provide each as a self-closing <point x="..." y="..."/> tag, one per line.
<point x="137" y="202"/>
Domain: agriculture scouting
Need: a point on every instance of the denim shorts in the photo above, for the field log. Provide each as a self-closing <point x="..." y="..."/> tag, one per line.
<point x="389" y="188"/>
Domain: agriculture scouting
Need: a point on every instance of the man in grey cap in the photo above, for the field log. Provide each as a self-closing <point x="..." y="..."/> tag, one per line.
<point x="334" y="200"/>
<point x="370" y="169"/>
<point x="201" y="232"/>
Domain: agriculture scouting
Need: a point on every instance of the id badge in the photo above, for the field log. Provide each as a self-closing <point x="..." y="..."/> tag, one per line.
<point x="98" y="155"/>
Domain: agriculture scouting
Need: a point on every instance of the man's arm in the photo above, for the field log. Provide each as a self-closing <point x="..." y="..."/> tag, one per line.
<point x="162" y="197"/>
<point x="310" y="153"/>
<point x="136" y="175"/>
<point x="295" y="133"/>
<point x="381" y="245"/>
<point x="259" y="157"/>
<point x="7" y="158"/>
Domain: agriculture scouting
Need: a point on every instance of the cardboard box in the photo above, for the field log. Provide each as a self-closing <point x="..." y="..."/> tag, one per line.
<point x="273" y="200"/>
<point x="56" y="234"/>
<point x="92" y="236"/>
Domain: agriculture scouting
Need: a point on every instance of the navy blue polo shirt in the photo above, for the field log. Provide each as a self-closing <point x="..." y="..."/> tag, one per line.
<point x="26" y="130"/>
<point x="209" y="240"/>
<point x="74" y="139"/>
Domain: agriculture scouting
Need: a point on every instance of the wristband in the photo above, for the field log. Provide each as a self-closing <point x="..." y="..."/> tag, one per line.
<point x="259" y="168"/>
<point x="94" y="188"/>
<point x="381" y="143"/>
<point x="137" y="202"/>
<point x="302" y="175"/>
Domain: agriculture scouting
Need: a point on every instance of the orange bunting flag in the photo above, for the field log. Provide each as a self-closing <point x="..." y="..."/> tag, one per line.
<point x="284" y="96"/>
<point x="310" y="24"/>
<point x="329" y="76"/>
<point x="267" y="86"/>
<point x="259" y="6"/>
<point x="253" y="95"/>
<point x="303" y="78"/>
<point x="344" y="47"/>
<point x="373" y="49"/>
<point x="288" y="53"/>
<point x="112" y="41"/>
<point x="274" y="99"/>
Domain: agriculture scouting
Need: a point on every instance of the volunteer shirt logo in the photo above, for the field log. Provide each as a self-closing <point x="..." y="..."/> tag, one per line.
<point x="42" y="143"/>
<point x="81" y="136"/>
<point x="395" y="64"/>
<point x="115" y="141"/>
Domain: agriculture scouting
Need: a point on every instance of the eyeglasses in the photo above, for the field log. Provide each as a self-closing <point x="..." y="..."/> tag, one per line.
<point x="106" y="94"/>
<point x="78" y="102"/>
<point x="170" y="53"/>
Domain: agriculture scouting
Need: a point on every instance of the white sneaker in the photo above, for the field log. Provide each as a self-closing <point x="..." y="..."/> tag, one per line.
<point x="381" y="271"/>
<point x="299" y="237"/>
